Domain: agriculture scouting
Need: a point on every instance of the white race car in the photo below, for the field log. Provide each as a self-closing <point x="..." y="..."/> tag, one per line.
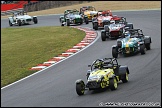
<point x="22" y="18"/>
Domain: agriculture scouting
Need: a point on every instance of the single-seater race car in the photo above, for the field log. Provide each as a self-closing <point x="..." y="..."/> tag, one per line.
<point x="103" y="73"/>
<point x="115" y="29"/>
<point x="89" y="11"/>
<point x="134" y="41"/>
<point x="73" y="17"/>
<point x="22" y="18"/>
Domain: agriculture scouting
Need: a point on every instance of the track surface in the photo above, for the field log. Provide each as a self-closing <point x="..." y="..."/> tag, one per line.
<point x="55" y="87"/>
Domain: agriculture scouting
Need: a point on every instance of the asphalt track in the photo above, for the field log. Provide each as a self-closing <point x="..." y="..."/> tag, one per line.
<point x="55" y="87"/>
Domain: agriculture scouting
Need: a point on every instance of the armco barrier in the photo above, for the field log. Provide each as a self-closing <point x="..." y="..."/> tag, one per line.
<point x="90" y="37"/>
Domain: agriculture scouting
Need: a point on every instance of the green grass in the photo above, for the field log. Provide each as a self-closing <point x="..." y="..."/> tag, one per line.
<point x="23" y="48"/>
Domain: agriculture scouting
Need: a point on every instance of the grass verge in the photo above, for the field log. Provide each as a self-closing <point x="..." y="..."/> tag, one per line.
<point x="23" y="48"/>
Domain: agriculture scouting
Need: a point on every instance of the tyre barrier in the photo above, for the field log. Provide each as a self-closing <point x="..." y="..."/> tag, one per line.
<point x="89" y="37"/>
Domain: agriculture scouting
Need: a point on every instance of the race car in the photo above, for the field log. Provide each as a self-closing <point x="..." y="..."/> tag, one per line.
<point x="22" y="18"/>
<point x="103" y="73"/>
<point x="134" y="41"/>
<point x="115" y="29"/>
<point x="73" y="17"/>
<point x="103" y="18"/>
<point x="89" y="11"/>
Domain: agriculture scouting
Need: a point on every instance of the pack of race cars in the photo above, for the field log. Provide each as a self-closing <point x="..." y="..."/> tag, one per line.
<point x="106" y="73"/>
<point x="103" y="73"/>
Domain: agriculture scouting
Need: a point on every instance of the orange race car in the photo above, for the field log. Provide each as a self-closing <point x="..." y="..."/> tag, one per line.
<point x="103" y="18"/>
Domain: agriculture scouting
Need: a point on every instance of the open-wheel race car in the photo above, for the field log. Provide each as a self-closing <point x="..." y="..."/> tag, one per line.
<point x="103" y="73"/>
<point x="89" y="11"/>
<point x="103" y="18"/>
<point x="73" y="17"/>
<point x="134" y="41"/>
<point x="22" y="18"/>
<point x="115" y="29"/>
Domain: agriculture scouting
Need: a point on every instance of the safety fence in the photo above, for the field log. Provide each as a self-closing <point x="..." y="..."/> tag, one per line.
<point x="42" y="5"/>
<point x="36" y="6"/>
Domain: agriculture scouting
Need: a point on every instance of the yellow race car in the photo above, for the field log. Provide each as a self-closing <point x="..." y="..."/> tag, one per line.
<point x="103" y="73"/>
<point x="89" y="11"/>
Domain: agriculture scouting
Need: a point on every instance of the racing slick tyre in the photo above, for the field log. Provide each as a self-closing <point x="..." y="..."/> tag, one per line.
<point x="103" y="36"/>
<point x="113" y="83"/>
<point x="35" y="20"/>
<point x="142" y="49"/>
<point x="81" y="22"/>
<point x="86" y="20"/>
<point x="67" y="22"/>
<point x="23" y="22"/>
<point x="80" y="87"/>
<point x="19" y="22"/>
<point x="10" y="23"/>
<point x="115" y="52"/>
<point x="148" y="46"/>
<point x="125" y="77"/>
<point x="95" y="26"/>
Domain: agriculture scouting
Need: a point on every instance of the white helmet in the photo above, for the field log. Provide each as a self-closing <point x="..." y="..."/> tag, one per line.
<point x="112" y="22"/>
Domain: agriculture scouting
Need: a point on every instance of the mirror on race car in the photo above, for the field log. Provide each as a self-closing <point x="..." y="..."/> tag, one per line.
<point x="89" y="65"/>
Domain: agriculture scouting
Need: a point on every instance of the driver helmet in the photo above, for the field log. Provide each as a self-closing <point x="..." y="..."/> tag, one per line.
<point x="99" y="13"/>
<point x="98" y="65"/>
<point x="127" y="34"/>
<point x="112" y="22"/>
<point x="15" y="14"/>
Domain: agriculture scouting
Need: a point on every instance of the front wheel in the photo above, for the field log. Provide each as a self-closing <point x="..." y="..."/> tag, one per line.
<point x="10" y="23"/>
<point x="86" y="20"/>
<point x="115" y="52"/>
<point x="35" y="20"/>
<point x="103" y="36"/>
<point x="113" y="84"/>
<point x="95" y="26"/>
<point x="80" y="87"/>
<point x="68" y="22"/>
<point x="19" y="22"/>
<point x="142" y="49"/>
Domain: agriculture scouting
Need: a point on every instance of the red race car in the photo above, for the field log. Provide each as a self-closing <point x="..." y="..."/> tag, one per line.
<point x="115" y="29"/>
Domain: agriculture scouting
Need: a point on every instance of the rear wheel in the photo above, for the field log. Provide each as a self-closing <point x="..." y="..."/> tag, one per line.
<point x="113" y="84"/>
<point x="125" y="77"/>
<point x="148" y="46"/>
